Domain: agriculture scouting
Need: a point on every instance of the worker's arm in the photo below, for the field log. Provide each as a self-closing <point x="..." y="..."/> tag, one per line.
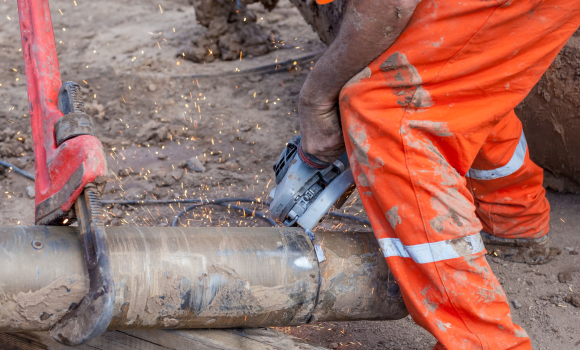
<point x="368" y="28"/>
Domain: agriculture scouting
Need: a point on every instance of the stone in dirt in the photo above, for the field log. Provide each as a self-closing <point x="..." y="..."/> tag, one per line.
<point x="176" y="174"/>
<point x="231" y="164"/>
<point x="552" y="298"/>
<point x="194" y="164"/>
<point x="565" y="276"/>
<point x="333" y="345"/>
<point x="189" y="179"/>
<point x="117" y="212"/>
<point x="573" y="299"/>
<point x="30" y="191"/>
<point x="516" y="304"/>
<point x="154" y="132"/>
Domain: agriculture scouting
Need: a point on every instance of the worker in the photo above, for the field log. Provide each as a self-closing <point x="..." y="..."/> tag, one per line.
<point x="426" y="92"/>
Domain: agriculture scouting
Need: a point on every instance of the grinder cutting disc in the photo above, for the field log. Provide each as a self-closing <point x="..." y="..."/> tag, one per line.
<point x="303" y="194"/>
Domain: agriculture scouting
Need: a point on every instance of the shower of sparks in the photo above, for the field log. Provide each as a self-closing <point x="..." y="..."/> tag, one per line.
<point x="229" y="143"/>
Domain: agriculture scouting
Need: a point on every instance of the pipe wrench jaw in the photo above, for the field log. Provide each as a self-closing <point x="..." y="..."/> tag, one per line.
<point x="77" y="160"/>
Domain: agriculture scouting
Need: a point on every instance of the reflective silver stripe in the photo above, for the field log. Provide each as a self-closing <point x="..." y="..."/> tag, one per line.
<point x="511" y="167"/>
<point x="431" y="252"/>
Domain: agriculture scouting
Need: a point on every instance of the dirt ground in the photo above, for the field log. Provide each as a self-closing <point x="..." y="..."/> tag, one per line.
<point x="154" y="111"/>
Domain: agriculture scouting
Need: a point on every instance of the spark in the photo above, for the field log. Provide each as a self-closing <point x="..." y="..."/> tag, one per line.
<point x="160" y="9"/>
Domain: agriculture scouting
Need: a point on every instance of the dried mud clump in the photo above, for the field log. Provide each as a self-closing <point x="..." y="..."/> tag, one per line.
<point x="232" y="31"/>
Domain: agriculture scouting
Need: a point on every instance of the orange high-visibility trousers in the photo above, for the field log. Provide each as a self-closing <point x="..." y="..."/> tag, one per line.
<point x="438" y="155"/>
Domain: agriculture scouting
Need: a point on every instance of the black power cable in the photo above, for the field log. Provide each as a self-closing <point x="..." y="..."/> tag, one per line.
<point x="350" y="217"/>
<point x="225" y="202"/>
<point x="17" y="169"/>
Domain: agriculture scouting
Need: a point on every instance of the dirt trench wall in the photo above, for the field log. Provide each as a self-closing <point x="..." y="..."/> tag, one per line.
<point x="551" y="117"/>
<point x="550" y="113"/>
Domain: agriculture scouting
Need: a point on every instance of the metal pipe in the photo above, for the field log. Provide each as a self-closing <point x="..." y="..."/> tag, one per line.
<point x="198" y="277"/>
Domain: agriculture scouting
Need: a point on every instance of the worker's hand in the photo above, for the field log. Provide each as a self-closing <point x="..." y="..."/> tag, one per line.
<point x="320" y="129"/>
<point x="368" y="29"/>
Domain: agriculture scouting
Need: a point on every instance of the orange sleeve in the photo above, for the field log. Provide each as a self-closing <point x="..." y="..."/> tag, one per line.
<point x="322" y="2"/>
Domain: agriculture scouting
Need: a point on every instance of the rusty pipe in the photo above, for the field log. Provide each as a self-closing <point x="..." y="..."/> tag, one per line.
<point x="198" y="277"/>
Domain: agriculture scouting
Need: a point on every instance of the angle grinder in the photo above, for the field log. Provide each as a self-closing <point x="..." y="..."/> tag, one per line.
<point x="305" y="191"/>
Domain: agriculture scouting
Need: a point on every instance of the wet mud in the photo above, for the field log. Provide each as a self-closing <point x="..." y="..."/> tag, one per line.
<point x="41" y="308"/>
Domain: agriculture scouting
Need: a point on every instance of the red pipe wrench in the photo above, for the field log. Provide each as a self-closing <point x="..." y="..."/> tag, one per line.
<point x="70" y="169"/>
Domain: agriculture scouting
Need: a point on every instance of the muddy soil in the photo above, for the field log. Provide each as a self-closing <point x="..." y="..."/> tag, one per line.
<point x="154" y="112"/>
